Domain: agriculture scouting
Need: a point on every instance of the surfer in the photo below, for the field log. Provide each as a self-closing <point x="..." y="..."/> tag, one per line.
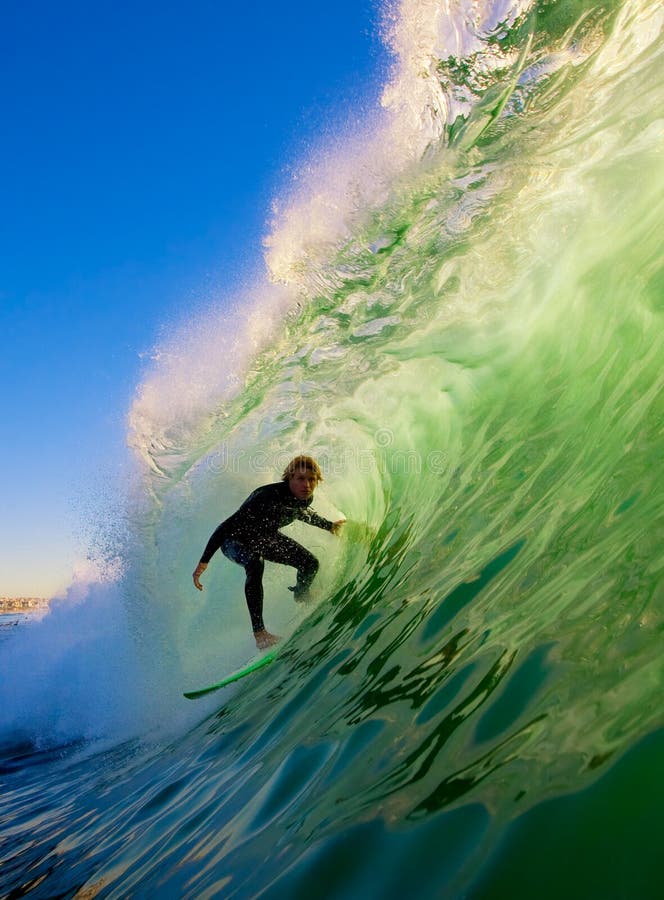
<point x="251" y="535"/>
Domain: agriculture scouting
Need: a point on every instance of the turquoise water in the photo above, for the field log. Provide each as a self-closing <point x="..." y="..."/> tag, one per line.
<point x="465" y="328"/>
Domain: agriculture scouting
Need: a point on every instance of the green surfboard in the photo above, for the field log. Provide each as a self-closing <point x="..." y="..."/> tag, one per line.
<point x="253" y="666"/>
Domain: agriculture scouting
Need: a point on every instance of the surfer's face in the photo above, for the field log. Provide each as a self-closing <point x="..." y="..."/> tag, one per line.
<point x="303" y="484"/>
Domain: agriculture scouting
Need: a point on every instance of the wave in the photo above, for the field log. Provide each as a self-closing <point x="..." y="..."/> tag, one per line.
<point x="462" y="320"/>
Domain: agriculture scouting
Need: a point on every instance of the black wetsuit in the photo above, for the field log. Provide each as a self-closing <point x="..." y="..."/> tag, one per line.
<point x="251" y="535"/>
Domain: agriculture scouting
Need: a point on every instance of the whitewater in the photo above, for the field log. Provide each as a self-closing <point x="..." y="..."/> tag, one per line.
<point x="462" y="320"/>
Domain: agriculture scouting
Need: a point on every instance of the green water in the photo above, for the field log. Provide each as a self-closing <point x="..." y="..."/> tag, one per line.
<point x="473" y="707"/>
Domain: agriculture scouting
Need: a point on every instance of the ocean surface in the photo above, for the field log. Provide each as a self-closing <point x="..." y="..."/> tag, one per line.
<point x="463" y="320"/>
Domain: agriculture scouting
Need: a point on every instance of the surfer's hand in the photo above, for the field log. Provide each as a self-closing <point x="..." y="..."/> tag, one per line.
<point x="200" y="568"/>
<point x="264" y="639"/>
<point x="336" y="526"/>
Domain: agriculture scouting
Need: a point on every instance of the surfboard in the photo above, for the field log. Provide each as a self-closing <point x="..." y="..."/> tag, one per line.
<point x="253" y="666"/>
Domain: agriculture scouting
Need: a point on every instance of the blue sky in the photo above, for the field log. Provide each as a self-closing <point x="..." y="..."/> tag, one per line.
<point x="141" y="146"/>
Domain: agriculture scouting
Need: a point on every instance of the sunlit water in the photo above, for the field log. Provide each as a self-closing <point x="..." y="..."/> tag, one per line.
<point x="467" y="333"/>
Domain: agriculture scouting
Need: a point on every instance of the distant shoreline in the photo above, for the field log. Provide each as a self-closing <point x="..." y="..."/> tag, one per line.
<point x="22" y="604"/>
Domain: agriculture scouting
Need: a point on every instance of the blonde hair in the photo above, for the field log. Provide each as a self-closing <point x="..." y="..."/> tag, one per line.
<point x="302" y="463"/>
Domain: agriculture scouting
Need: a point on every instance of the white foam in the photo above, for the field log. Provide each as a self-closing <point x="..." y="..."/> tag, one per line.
<point x="337" y="187"/>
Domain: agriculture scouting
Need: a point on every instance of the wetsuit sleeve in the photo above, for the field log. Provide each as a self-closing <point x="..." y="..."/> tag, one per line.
<point x="312" y="518"/>
<point x="213" y="544"/>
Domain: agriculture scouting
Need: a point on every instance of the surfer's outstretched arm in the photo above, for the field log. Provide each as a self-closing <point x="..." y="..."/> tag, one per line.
<point x="198" y="571"/>
<point x="210" y="549"/>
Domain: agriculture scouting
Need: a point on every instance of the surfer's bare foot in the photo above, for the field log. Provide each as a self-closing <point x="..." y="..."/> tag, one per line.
<point x="264" y="639"/>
